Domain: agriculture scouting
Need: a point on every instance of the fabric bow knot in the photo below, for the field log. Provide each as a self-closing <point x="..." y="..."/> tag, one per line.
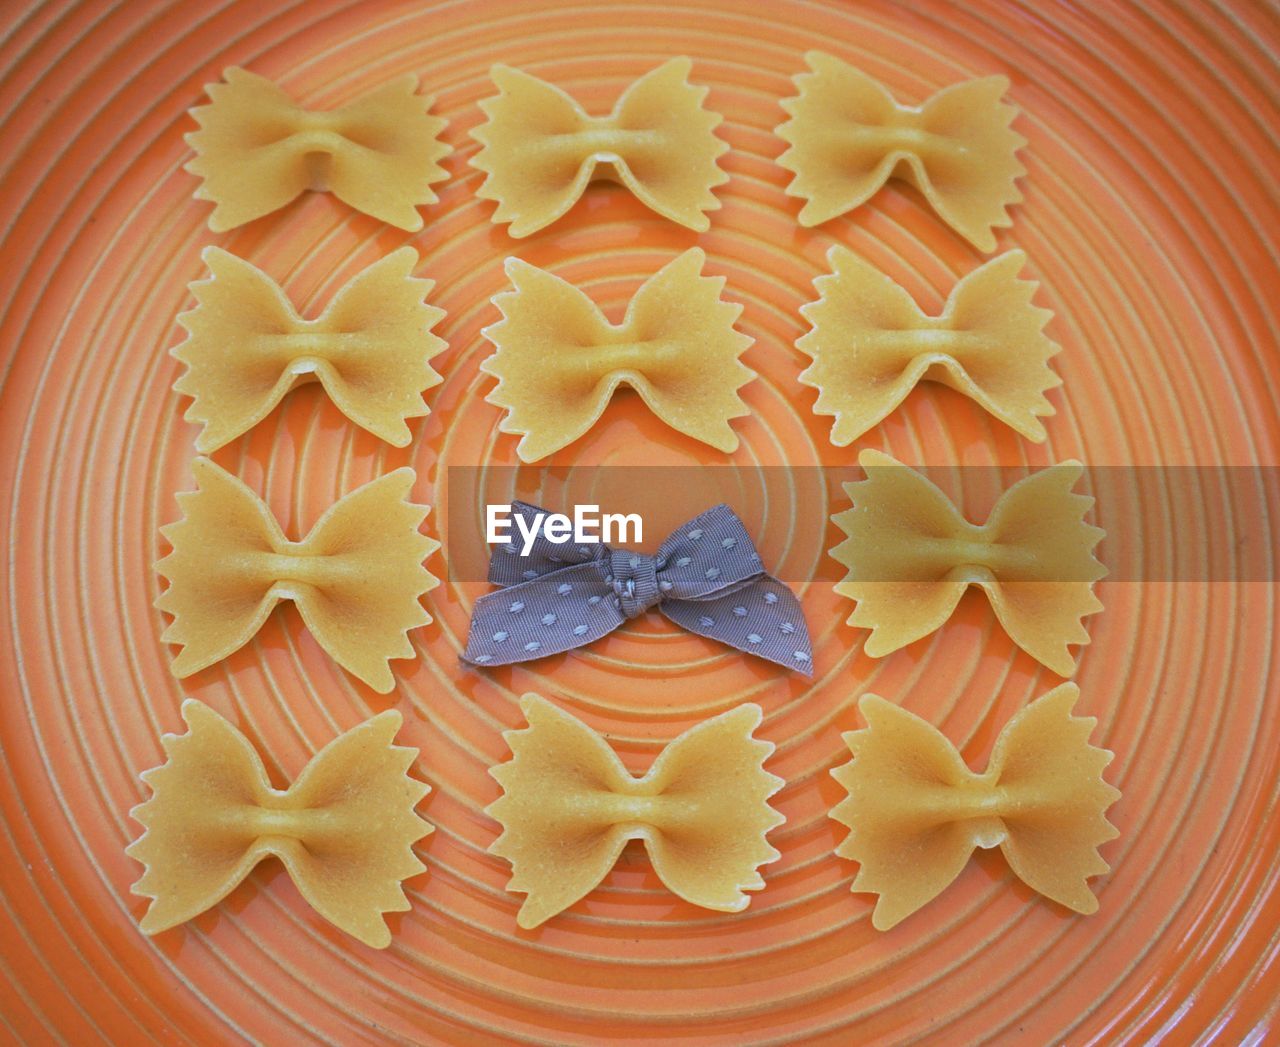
<point x="871" y="344"/>
<point x="707" y="578"/>
<point x="257" y="150"/>
<point x="569" y="806"/>
<point x="911" y="555"/>
<point x="558" y="361"/>
<point x="247" y="347"/>
<point x="541" y="149"/>
<point x="915" y="812"/>
<point x="344" y="829"/>
<point x="356" y="578"/>
<point x="848" y="136"/>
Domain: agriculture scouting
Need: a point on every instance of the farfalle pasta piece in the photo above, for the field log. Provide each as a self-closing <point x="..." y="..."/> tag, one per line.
<point x="569" y="806"/>
<point x="540" y="148"/>
<point x="257" y="150"/>
<point x="344" y="830"/>
<point x="848" y="136"/>
<point x="558" y="360"/>
<point x="915" y="812"/>
<point x="356" y="578"/>
<point x="871" y="344"/>
<point x="910" y="556"/>
<point x="246" y="347"/>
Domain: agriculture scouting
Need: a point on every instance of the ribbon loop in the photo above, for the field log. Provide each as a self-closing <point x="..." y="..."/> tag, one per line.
<point x="710" y="556"/>
<point x="515" y="565"/>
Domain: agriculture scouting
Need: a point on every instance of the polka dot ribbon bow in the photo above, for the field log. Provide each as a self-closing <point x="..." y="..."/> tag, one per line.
<point x="707" y="577"/>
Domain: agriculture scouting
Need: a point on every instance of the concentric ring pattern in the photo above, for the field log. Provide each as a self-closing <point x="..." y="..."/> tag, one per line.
<point x="1149" y="218"/>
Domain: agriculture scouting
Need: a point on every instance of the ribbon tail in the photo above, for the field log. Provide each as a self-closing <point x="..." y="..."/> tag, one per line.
<point x="547" y="615"/>
<point x="762" y="618"/>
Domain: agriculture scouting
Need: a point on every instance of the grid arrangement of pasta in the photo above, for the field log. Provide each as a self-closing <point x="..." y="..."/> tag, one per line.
<point x="347" y="829"/>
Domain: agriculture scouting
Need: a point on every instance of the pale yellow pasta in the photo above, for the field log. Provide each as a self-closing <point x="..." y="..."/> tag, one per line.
<point x="246" y="347"/>
<point x="558" y="361"/>
<point x="910" y="555"/>
<point x="915" y="812"/>
<point x="540" y="149"/>
<point x="257" y="150"/>
<point x="569" y="806"/>
<point x="356" y="579"/>
<point x="344" y="830"/>
<point x="871" y="344"/>
<point x="848" y="136"/>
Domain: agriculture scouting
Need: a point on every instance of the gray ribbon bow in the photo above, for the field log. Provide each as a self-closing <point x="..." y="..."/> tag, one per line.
<point x="707" y="577"/>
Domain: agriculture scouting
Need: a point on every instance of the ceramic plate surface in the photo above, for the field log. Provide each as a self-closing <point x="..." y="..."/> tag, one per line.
<point x="1149" y="218"/>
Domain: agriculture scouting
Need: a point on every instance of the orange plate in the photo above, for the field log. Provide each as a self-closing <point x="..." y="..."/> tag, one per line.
<point x="1150" y="218"/>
